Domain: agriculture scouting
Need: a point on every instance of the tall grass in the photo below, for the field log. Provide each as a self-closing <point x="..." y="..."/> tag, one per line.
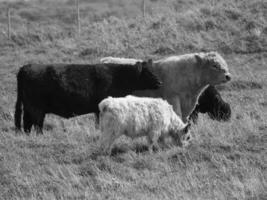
<point x="226" y="160"/>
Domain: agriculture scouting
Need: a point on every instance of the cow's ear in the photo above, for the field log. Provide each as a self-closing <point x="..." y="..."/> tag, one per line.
<point x="139" y="66"/>
<point x="198" y="59"/>
<point x="149" y="63"/>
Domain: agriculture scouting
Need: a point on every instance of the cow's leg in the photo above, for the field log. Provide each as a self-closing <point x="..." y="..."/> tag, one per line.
<point x="97" y="120"/>
<point x="194" y="116"/>
<point x="187" y="107"/>
<point x="27" y="121"/>
<point x="175" y="102"/>
<point x="40" y="115"/>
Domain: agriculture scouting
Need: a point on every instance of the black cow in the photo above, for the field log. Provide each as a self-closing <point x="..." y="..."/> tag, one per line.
<point x="211" y="102"/>
<point x="69" y="90"/>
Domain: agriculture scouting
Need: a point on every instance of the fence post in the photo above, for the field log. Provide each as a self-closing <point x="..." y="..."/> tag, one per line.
<point x="78" y="17"/>
<point x="144" y="9"/>
<point x="8" y="23"/>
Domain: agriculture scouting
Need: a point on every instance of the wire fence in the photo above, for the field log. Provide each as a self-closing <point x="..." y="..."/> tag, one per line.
<point x="73" y="17"/>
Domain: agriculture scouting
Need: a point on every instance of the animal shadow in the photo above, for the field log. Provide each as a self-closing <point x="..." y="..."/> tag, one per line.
<point x="116" y="150"/>
<point x="122" y="149"/>
<point x="137" y="148"/>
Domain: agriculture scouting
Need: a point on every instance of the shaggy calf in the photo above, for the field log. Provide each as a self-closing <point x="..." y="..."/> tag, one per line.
<point x="70" y="90"/>
<point x="136" y="117"/>
<point x="211" y="102"/>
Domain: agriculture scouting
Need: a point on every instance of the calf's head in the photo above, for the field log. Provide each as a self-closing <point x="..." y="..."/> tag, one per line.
<point x="182" y="137"/>
<point x="213" y="68"/>
<point x="147" y="79"/>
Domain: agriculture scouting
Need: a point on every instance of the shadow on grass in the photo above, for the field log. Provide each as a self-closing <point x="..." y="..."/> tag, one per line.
<point x="121" y="149"/>
<point x="137" y="148"/>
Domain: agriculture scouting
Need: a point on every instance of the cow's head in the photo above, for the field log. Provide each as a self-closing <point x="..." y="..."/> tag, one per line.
<point x="182" y="137"/>
<point x="208" y="99"/>
<point x="147" y="79"/>
<point x="213" y="67"/>
<point x="211" y="102"/>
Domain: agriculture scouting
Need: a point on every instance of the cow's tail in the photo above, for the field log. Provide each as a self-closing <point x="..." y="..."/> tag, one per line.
<point x="18" y="107"/>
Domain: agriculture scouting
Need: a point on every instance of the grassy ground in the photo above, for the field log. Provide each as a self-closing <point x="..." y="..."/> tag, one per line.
<point x="225" y="161"/>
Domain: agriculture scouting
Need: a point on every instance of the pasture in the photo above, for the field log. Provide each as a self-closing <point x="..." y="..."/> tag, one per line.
<point x="226" y="160"/>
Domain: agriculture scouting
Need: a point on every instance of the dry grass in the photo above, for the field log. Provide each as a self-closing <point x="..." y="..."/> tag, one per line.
<point x="225" y="161"/>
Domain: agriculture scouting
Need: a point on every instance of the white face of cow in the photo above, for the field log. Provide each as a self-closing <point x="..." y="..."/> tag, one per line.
<point x="214" y="67"/>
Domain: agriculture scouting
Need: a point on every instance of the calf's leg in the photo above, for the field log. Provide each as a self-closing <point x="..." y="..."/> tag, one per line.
<point x="107" y="142"/>
<point x="109" y="135"/>
<point x="152" y="140"/>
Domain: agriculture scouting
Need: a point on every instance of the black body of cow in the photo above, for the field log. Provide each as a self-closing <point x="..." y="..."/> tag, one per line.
<point x="211" y="102"/>
<point x="70" y="90"/>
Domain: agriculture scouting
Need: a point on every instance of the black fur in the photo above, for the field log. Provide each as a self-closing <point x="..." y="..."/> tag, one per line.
<point x="69" y="90"/>
<point x="211" y="102"/>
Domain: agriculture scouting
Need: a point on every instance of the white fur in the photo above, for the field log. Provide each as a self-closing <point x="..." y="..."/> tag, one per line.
<point x="136" y="117"/>
<point x="115" y="60"/>
<point x="184" y="77"/>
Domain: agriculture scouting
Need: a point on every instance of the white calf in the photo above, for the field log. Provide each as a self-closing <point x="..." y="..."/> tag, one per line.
<point x="136" y="117"/>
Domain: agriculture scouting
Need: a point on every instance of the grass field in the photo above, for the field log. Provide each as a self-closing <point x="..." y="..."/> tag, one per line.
<point x="226" y="160"/>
